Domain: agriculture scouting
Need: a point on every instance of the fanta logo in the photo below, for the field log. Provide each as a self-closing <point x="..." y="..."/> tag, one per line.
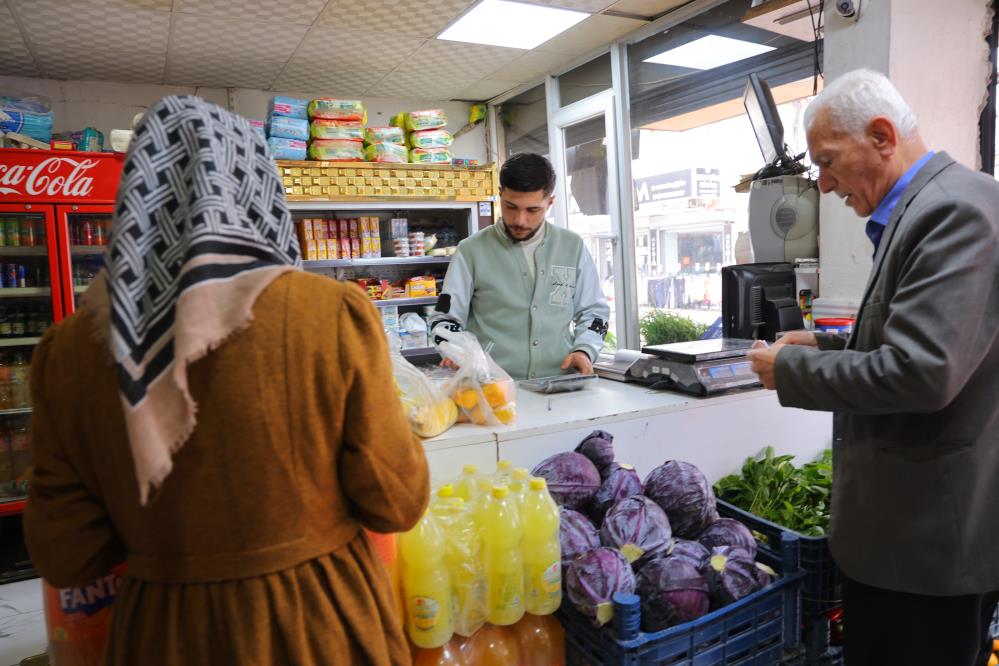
<point x="55" y="176"/>
<point x="91" y="598"/>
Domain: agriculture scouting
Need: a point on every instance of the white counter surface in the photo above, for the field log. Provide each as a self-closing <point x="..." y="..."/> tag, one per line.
<point x="22" y="622"/>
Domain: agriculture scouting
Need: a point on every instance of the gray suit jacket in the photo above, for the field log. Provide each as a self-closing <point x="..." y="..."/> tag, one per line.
<point x="915" y="392"/>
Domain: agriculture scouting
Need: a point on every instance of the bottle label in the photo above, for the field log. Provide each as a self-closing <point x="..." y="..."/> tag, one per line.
<point x="424" y="613"/>
<point x="507" y="591"/>
<point x="545" y="583"/>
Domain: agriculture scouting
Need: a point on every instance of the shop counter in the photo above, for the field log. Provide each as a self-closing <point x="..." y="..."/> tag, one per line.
<point x="715" y="433"/>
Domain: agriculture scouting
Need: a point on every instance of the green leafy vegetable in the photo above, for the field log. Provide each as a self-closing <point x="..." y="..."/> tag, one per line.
<point x="772" y="488"/>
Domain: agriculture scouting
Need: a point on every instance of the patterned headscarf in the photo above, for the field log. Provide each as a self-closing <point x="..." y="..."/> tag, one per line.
<point x="201" y="228"/>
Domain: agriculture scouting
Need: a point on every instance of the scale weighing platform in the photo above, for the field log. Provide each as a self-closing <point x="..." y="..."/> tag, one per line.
<point x="701" y="367"/>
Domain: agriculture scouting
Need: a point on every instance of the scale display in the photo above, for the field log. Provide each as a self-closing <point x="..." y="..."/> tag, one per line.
<point x="701" y="367"/>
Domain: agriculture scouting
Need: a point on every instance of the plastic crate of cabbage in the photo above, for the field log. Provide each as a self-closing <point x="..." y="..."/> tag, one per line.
<point x="26" y="114"/>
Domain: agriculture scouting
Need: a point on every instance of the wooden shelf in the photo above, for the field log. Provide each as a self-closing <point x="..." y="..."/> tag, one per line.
<point x="18" y="342"/>
<point x="382" y="261"/>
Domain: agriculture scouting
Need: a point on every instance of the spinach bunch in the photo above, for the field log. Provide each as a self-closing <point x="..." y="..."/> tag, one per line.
<point x="772" y="488"/>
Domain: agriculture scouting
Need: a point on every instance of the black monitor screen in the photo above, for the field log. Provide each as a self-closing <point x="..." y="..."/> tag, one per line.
<point x="763" y="116"/>
<point x="759" y="301"/>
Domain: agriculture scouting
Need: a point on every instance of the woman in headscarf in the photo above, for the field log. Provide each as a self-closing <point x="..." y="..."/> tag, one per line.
<point x="221" y="420"/>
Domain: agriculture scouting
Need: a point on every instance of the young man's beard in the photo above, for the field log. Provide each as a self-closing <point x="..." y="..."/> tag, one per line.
<point x="526" y="238"/>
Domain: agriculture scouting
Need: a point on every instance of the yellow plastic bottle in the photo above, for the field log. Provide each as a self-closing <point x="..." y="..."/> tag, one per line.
<point x="439" y="502"/>
<point x="464" y="561"/>
<point x="519" y="479"/>
<point x="426" y="585"/>
<point x="468" y="486"/>
<point x="542" y="553"/>
<point x="504" y="470"/>
<point x="502" y="537"/>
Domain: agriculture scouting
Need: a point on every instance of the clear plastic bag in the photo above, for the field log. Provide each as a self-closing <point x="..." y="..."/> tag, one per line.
<point x="428" y="410"/>
<point x="484" y="392"/>
<point x="435" y="138"/>
<point x="26" y="113"/>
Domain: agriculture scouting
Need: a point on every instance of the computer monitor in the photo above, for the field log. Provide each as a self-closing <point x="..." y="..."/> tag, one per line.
<point x="759" y="301"/>
<point x="763" y="116"/>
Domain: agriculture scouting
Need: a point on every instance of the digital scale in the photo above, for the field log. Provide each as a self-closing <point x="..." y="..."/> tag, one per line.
<point x="701" y="367"/>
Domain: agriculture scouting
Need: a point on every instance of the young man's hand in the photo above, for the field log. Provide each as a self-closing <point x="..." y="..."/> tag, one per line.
<point x="579" y="360"/>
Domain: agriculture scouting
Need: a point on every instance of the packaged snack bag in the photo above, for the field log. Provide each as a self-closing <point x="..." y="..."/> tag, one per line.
<point x="484" y="392"/>
<point x="338" y="109"/>
<point x="398" y="120"/>
<point x="287" y="149"/>
<point x="347" y="130"/>
<point x="260" y="126"/>
<point x="289" y="107"/>
<point x="336" y="150"/>
<point x="288" y="128"/>
<point x="396" y="135"/>
<point x="425" y="120"/>
<point x="435" y="138"/>
<point x="386" y="152"/>
<point x="430" y="156"/>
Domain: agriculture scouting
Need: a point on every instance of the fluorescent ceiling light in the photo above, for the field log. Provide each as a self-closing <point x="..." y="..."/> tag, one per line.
<point x="515" y="25"/>
<point x="709" y="52"/>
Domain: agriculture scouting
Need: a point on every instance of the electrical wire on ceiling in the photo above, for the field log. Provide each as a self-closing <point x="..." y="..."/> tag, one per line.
<point x="818" y="42"/>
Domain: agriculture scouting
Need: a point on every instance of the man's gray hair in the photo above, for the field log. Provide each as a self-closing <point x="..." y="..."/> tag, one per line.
<point x="853" y="99"/>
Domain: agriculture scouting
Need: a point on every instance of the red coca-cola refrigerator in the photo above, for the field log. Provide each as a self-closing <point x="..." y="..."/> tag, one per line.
<point x="55" y="215"/>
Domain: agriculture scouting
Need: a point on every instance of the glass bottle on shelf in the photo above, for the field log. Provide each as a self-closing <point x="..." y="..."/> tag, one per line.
<point x="20" y="452"/>
<point x="27" y="231"/>
<point x="19" y="391"/>
<point x="6" y="397"/>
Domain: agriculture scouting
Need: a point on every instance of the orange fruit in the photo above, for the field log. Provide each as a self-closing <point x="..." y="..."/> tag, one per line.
<point x="506" y="414"/>
<point x="466" y="398"/>
<point x="497" y="393"/>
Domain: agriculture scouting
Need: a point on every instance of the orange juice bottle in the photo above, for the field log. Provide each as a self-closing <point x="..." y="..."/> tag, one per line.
<point x="502" y="535"/>
<point x="492" y="646"/>
<point x="541" y="640"/>
<point x="426" y="584"/>
<point x="448" y="654"/>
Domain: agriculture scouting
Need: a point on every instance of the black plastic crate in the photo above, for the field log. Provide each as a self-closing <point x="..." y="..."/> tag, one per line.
<point x="821" y="590"/>
<point x="759" y="630"/>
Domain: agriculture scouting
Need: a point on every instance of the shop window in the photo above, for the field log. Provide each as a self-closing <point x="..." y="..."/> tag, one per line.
<point x="695" y="144"/>
<point x="988" y="122"/>
<point x="525" y="124"/>
<point x="588" y="79"/>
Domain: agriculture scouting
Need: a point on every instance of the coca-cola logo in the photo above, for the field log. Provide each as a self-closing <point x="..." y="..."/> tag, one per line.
<point x="54" y="176"/>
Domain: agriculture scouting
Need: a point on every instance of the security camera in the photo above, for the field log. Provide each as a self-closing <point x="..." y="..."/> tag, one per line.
<point x="846" y="8"/>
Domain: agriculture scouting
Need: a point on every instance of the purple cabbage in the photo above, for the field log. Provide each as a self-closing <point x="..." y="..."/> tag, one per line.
<point x="690" y="551"/>
<point x="598" y="446"/>
<point x="576" y="535"/>
<point x="685" y="495"/>
<point x="592" y="580"/>
<point x="764" y="575"/>
<point x="572" y="479"/>
<point x="731" y="579"/>
<point x="637" y="527"/>
<point x="728" y="532"/>
<point x="622" y="481"/>
<point x="672" y="592"/>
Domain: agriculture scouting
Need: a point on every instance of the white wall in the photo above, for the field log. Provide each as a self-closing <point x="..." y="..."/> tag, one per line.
<point x="109" y="105"/>
<point x="936" y="55"/>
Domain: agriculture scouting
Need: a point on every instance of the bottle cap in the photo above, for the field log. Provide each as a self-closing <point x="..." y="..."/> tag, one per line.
<point x="537" y="483"/>
<point x="447" y="490"/>
<point x="469" y="469"/>
<point x="504" y="465"/>
<point x="499" y="492"/>
<point x="521" y="473"/>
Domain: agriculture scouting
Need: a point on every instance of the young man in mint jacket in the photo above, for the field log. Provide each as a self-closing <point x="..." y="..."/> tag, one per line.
<point x="527" y="286"/>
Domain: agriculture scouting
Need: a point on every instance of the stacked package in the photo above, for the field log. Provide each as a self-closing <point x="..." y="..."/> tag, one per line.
<point x="288" y="128"/>
<point x="429" y="142"/>
<point x="337" y="130"/>
<point x="30" y="115"/>
<point x="386" y="144"/>
<point x="348" y="238"/>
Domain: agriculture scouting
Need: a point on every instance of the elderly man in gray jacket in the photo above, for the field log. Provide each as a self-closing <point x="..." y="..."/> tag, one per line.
<point x="914" y="389"/>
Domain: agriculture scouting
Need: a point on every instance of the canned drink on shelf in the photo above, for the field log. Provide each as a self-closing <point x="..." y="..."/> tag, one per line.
<point x="12" y="232"/>
<point x="22" y="276"/>
<point x="10" y="276"/>
<point x="27" y="232"/>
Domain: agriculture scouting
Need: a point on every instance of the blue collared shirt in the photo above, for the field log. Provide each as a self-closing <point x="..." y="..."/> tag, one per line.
<point x="879" y="218"/>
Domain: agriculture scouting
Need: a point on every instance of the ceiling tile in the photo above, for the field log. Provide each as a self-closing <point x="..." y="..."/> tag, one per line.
<point x="162" y="5"/>
<point x="212" y="38"/>
<point x="194" y="70"/>
<point x="587" y="35"/>
<point x="88" y="65"/>
<point x="9" y="32"/>
<point x="445" y="59"/>
<point x="304" y="12"/>
<point x="649" y="8"/>
<point x="327" y="47"/>
<point x="485" y="90"/>
<point x="420" y="86"/>
<point x="530" y="66"/>
<point x="424" y="18"/>
<point x="15" y="60"/>
<point x="78" y="27"/>
<point x="324" y="82"/>
<point x="588" y="6"/>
